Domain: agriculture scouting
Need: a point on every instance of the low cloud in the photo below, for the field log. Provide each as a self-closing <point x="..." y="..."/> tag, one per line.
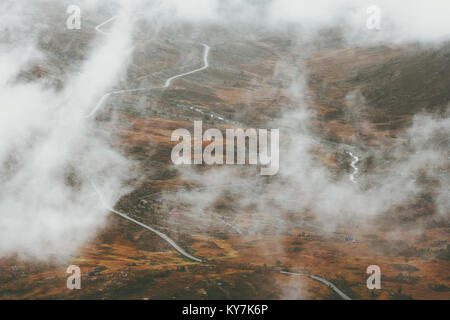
<point x="50" y="152"/>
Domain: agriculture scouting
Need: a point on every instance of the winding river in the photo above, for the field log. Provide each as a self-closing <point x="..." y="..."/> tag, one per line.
<point x="353" y="165"/>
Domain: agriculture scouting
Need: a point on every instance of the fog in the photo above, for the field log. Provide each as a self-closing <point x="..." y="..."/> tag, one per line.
<point x="401" y="21"/>
<point x="304" y="183"/>
<point x="50" y="152"/>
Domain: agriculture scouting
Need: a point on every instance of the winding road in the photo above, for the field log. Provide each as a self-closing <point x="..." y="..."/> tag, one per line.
<point x="166" y="84"/>
<point x="205" y="66"/>
<point x="160" y="234"/>
<point x="324" y="281"/>
<point x="163" y="235"/>
<point x="98" y="28"/>
<point x="232" y="226"/>
<point x="99" y="105"/>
